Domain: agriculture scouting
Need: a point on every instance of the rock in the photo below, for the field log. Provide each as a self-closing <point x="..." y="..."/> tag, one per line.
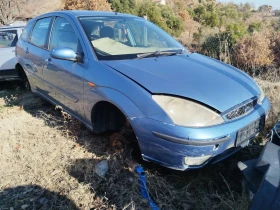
<point x="101" y="168"/>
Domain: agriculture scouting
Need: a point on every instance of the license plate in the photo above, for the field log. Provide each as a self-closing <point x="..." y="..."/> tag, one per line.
<point x="247" y="132"/>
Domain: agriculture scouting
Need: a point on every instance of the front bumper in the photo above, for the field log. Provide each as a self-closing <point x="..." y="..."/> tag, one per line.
<point x="168" y="145"/>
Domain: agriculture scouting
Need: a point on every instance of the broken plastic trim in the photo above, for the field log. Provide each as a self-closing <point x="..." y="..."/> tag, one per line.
<point x="191" y="142"/>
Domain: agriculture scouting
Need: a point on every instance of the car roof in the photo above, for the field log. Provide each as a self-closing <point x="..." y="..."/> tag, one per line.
<point x="12" y="27"/>
<point x="79" y="13"/>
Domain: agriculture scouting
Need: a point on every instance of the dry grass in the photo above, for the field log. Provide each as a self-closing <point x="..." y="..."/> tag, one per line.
<point x="47" y="161"/>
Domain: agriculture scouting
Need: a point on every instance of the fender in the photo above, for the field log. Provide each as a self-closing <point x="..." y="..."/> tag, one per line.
<point x="122" y="102"/>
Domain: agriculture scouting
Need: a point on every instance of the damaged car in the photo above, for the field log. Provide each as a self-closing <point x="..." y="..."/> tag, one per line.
<point x="8" y="40"/>
<point x="105" y="69"/>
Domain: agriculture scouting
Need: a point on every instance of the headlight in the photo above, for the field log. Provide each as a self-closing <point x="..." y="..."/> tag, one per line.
<point x="261" y="96"/>
<point x="187" y="113"/>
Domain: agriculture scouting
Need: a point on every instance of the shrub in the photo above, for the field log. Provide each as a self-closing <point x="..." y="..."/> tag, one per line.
<point x="87" y="5"/>
<point x="255" y="27"/>
<point x="253" y="52"/>
<point x="235" y="31"/>
<point x="275" y="47"/>
<point x="277" y="12"/>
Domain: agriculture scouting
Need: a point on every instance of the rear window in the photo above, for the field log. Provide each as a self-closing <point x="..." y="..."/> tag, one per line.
<point x="26" y="31"/>
<point x="40" y="32"/>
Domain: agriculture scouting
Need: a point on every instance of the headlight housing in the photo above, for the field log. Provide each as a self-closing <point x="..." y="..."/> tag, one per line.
<point x="261" y="96"/>
<point x="187" y="113"/>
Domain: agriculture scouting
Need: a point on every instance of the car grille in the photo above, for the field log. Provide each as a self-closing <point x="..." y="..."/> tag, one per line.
<point x="241" y="110"/>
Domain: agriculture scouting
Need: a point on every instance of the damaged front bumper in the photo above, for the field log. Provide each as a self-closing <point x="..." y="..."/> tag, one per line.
<point x="183" y="148"/>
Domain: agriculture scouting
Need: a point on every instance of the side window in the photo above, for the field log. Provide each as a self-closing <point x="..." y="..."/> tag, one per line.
<point x="63" y="35"/>
<point x="8" y="38"/>
<point x="26" y="31"/>
<point x="40" y="32"/>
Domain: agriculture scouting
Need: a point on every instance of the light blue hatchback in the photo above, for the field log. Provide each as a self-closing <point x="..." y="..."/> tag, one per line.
<point x="105" y="69"/>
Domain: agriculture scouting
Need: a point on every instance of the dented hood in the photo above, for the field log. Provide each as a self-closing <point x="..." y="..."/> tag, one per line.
<point x="192" y="76"/>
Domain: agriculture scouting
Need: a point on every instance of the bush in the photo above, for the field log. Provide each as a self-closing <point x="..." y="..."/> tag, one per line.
<point x="253" y="52"/>
<point x="255" y="27"/>
<point x="87" y="5"/>
<point x="275" y="47"/>
<point x="277" y="12"/>
<point x="235" y="31"/>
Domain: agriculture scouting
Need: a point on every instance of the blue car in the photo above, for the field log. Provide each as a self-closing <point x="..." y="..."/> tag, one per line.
<point x="106" y="69"/>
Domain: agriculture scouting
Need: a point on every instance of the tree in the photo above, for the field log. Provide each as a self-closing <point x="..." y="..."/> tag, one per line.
<point x="255" y="27"/>
<point x="277" y="12"/>
<point x="102" y="5"/>
<point x="124" y="6"/>
<point x="253" y="52"/>
<point x="8" y="11"/>
<point x="265" y="8"/>
<point x="235" y="31"/>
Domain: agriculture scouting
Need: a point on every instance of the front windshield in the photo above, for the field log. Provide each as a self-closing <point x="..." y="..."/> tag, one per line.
<point x="117" y="38"/>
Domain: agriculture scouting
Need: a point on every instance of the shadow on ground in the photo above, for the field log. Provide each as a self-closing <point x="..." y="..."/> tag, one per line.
<point x="33" y="197"/>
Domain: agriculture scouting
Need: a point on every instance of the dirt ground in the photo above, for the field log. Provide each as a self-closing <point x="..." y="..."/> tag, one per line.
<point x="47" y="161"/>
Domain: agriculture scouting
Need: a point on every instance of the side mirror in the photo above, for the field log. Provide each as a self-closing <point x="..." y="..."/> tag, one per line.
<point x="65" y="53"/>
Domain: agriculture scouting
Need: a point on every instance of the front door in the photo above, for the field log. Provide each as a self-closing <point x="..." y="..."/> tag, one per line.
<point x="64" y="79"/>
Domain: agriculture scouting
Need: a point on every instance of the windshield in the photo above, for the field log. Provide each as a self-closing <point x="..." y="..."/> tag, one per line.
<point x="117" y="38"/>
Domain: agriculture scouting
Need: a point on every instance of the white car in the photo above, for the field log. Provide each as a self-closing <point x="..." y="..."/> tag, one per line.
<point x="8" y="38"/>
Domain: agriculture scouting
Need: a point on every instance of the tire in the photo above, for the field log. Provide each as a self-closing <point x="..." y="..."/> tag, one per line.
<point x="26" y="84"/>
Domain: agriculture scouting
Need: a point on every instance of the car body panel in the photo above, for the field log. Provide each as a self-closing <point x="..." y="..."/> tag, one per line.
<point x="7" y="54"/>
<point x="192" y="76"/>
<point x="172" y="154"/>
<point x="129" y="86"/>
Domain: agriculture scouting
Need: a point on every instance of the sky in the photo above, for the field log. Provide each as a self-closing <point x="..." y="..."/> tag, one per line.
<point x="274" y="3"/>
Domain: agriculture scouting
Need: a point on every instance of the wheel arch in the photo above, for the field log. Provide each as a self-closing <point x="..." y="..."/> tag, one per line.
<point x="116" y="104"/>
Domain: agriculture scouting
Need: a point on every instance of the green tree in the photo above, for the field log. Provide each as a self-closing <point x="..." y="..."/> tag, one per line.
<point x="235" y="31"/>
<point x="255" y="27"/>
<point x="124" y="6"/>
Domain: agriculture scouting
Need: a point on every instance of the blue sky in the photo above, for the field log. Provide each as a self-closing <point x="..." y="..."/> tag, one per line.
<point x="274" y="3"/>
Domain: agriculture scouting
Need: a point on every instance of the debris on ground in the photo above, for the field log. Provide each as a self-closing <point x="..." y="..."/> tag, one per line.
<point x="101" y="168"/>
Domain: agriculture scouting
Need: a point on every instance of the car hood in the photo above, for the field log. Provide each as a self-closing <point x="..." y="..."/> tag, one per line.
<point x="194" y="76"/>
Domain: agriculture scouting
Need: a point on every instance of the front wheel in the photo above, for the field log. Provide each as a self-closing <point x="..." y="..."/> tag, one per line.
<point x="26" y="84"/>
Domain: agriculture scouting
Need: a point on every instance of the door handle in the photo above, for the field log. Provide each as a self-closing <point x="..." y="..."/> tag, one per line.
<point x="26" y="51"/>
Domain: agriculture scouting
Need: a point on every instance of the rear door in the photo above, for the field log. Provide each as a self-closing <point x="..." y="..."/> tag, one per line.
<point x="64" y="79"/>
<point x="8" y="40"/>
<point x="35" y="52"/>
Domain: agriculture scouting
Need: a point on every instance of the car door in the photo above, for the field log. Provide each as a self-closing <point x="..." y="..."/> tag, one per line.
<point x="64" y="79"/>
<point x="8" y="40"/>
<point x="36" y="51"/>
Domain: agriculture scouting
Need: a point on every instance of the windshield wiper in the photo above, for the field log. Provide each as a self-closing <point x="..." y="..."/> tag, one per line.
<point x="159" y="53"/>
